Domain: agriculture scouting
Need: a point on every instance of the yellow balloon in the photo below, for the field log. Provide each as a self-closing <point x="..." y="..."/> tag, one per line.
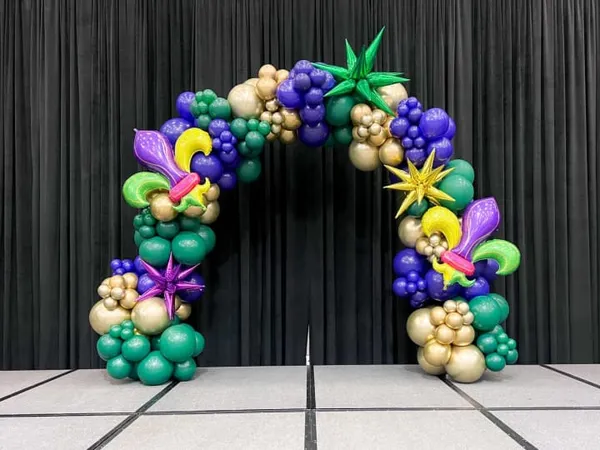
<point x="419" y="327"/>
<point x="101" y="319"/>
<point x="150" y="316"/>
<point x="435" y="353"/>
<point x="440" y="219"/>
<point x="428" y="368"/>
<point x="466" y="364"/>
<point x="191" y="141"/>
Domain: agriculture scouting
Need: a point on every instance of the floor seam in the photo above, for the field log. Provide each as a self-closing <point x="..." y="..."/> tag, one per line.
<point x="33" y="386"/>
<point x="310" y="418"/>
<point x="569" y="375"/>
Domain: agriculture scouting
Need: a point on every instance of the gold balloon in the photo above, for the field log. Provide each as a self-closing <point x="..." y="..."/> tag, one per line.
<point x="276" y="129"/>
<point x="375" y="129"/>
<point x="211" y="214"/>
<point x="101" y="319"/>
<point x="428" y="368"/>
<point x="454" y="320"/>
<point x="287" y="136"/>
<point x="213" y="193"/>
<point x="131" y="280"/>
<point x="418" y="326"/>
<point x="271" y="137"/>
<point x="161" y="207"/>
<point x="468" y="318"/>
<point x="444" y="334"/>
<point x="193" y="211"/>
<point x="466" y="364"/>
<point x="393" y="94"/>
<point x="265" y="88"/>
<point x="358" y="111"/>
<point x="184" y="311"/>
<point x="435" y="353"/>
<point x="363" y="156"/>
<point x="357" y="137"/>
<point x="421" y="245"/>
<point x="129" y="300"/>
<point x="251" y="81"/>
<point x="117" y="293"/>
<point x="437" y="315"/>
<point x="103" y="290"/>
<point x="116" y="281"/>
<point x="277" y="118"/>
<point x="449" y="305"/>
<point x="272" y="105"/>
<point x="377" y="139"/>
<point x="362" y="131"/>
<point x="291" y="119"/>
<point x="266" y="116"/>
<point x="391" y="152"/>
<point x="268" y="71"/>
<point x="244" y="102"/>
<point x="150" y="316"/>
<point x="110" y="303"/>
<point x="386" y="126"/>
<point x="281" y="75"/>
<point x="178" y="302"/>
<point x="379" y="116"/>
<point x="366" y="120"/>
<point x="409" y="231"/>
<point x="464" y="336"/>
<point x="462" y="307"/>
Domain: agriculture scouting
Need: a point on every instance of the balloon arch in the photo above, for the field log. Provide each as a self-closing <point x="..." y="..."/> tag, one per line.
<point x="444" y="272"/>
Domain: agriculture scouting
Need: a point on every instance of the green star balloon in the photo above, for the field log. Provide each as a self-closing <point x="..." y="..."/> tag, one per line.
<point x="358" y="77"/>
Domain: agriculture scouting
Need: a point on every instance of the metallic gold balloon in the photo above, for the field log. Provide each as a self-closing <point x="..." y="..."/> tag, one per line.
<point x="449" y="305"/>
<point x="104" y="290"/>
<point x="272" y="105"/>
<point x="379" y="116"/>
<point x="150" y="316"/>
<point x="468" y="318"/>
<point x="178" y="302"/>
<point x="267" y="71"/>
<point x="116" y="281"/>
<point x="281" y="75"/>
<point x="366" y="120"/>
<point x="213" y="193"/>
<point x="464" y="336"/>
<point x="266" y="116"/>
<point x="393" y="94"/>
<point x="211" y="214"/>
<point x="117" y="293"/>
<point x="161" y="208"/>
<point x="251" y="81"/>
<point x="418" y="326"/>
<point x="391" y="152"/>
<point x="184" y="311"/>
<point x="131" y="280"/>
<point x="409" y="231"/>
<point x="438" y="315"/>
<point x="435" y="353"/>
<point x="386" y="125"/>
<point x="277" y="118"/>
<point x="444" y="334"/>
<point x="377" y="139"/>
<point x="110" y="303"/>
<point x="358" y="111"/>
<point x="275" y="128"/>
<point x="428" y="368"/>
<point x="265" y="88"/>
<point x="101" y="319"/>
<point x="129" y="300"/>
<point x="244" y="102"/>
<point x="363" y="156"/>
<point x="287" y="136"/>
<point x="357" y="137"/>
<point x="362" y="131"/>
<point x="421" y="245"/>
<point x="271" y="137"/>
<point x="454" y="320"/>
<point x="462" y="307"/>
<point x="466" y="364"/>
<point x="375" y="129"/>
<point x="193" y="211"/>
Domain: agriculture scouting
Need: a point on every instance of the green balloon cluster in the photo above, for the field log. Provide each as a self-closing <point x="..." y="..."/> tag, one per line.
<point x="498" y="348"/>
<point x="208" y="106"/>
<point x="338" y="116"/>
<point x="252" y="137"/>
<point x="458" y="185"/>
<point x="489" y="311"/>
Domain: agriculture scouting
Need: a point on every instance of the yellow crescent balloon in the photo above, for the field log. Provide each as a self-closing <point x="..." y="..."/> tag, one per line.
<point x="442" y="220"/>
<point x="191" y="141"/>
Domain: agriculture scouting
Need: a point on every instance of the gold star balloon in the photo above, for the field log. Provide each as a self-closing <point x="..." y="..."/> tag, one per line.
<point x="420" y="184"/>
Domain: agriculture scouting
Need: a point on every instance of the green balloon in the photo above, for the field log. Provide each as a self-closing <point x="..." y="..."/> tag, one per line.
<point x="338" y="110"/>
<point x="239" y="128"/>
<point x="208" y="96"/>
<point x="185" y="371"/>
<point x="188" y="248"/>
<point x="199" y="343"/>
<point x="138" y="221"/>
<point x="417" y="210"/>
<point x="155" y="251"/>
<point x="203" y="121"/>
<point x="243" y="149"/>
<point x="253" y="124"/>
<point x="512" y="344"/>
<point x="149" y="220"/>
<point x="343" y="135"/>
<point x="108" y="347"/>
<point x="487" y="343"/>
<point x="155" y="369"/>
<point x="147" y="232"/>
<point x="486" y="311"/>
<point x="177" y="343"/>
<point x="220" y="109"/>
<point x="502" y="349"/>
<point x="126" y="334"/>
<point x="255" y="141"/>
<point x="188" y="326"/>
<point x="127" y="324"/>
<point x="136" y="348"/>
<point x="195" y="107"/>
<point x="462" y="168"/>
<point x="133" y="374"/>
<point x="512" y="356"/>
<point x="137" y="238"/>
<point x="115" y="331"/>
<point x="495" y="362"/>
<point x="188" y="223"/>
<point x="497" y="330"/>
<point x="208" y="236"/>
<point x="167" y="230"/>
<point x="502" y="338"/>
<point x="503" y="304"/>
<point x="249" y="170"/>
<point x="330" y="142"/>
<point x="155" y="343"/>
<point x="264" y="128"/>
<point x="118" y="367"/>
<point x="459" y="188"/>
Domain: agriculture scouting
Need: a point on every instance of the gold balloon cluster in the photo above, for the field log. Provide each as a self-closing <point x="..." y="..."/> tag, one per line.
<point x="444" y="335"/>
<point x="212" y="211"/>
<point x="119" y="290"/>
<point x="432" y="246"/>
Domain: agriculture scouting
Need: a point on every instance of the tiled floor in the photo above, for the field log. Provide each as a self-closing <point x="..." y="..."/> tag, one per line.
<point x="325" y="407"/>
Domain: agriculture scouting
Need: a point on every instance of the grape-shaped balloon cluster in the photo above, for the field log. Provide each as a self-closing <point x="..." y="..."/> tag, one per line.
<point x="207" y="106"/>
<point x="121" y="266"/>
<point x="499" y="349"/>
<point x="410" y="269"/>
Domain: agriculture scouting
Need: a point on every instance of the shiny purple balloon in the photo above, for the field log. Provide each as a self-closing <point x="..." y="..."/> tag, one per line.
<point x="302" y="82"/>
<point x="144" y="283"/>
<point x="192" y="295"/>
<point x="216" y="127"/>
<point x="451" y="129"/>
<point x="314" y="96"/>
<point x="127" y="265"/>
<point x="480" y="219"/>
<point x="408" y="260"/>
<point x="153" y="150"/>
<point x="399" y="127"/>
<point x="207" y="166"/>
<point x="443" y="151"/>
<point x="228" y="157"/>
<point x="418" y="299"/>
<point x="173" y="128"/>
<point x="434" y="123"/>
<point x="481" y="287"/>
<point x="329" y="82"/>
<point x="115" y="264"/>
<point x="487" y="269"/>
<point x="399" y="287"/>
<point x="287" y="96"/>
<point x="313" y="136"/>
<point x="183" y="105"/>
<point x="417" y="156"/>
<point x="228" y="181"/>
<point x="435" y="287"/>
<point x="312" y="115"/>
<point x="303" y="66"/>
<point x="139" y="267"/>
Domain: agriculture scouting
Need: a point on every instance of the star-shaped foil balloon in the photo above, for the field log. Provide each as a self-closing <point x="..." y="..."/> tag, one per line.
<point x="420" y="184"/>
<point x="358" y="77"/>
<point x="169" y="283"/>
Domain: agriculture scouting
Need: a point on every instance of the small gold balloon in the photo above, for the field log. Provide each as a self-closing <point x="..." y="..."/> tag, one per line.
<point x="375" y="129"/>
<point x="291" y="119"/>
<point x="386" y="126"/>
<point x="281" y="75"/>
<point x="265" y="88"/>
<point x="101" y="318"/>
<point x="444" y="334"/>
<point x="410" y="231"/>
<point x="466" y="364"/>
<point x="266" y="116"/>
<point x="271" y="137"/>
<point x="193" y="211"/>
<point x="131" y="280"/>
<point x="150" y="316"/>
<point x="391" y="152"/>
<point x="251" y="81"/>
<point x="268" y="71"/>
<point x="110" y="303"/>
<point x="428" y="368"/>
<point x="462" y="307"/>
<point x="454" y="320"/>
<point x="363" y="156"/>
<point x="277" y="118"/>
<point x="464" y="336"/>
<point x="116" y="281"/>
<point x="468" y="318"/>
<point x="379" y="116"/>
<point x="438" y="251"/>
<point x="211" y="214"/>
<point x="435" y="353"/>
<point x="272" y="105"/>
<point x="421" y="245"/>
<point x="418" y="326"/>
<point x="103" y="290"/>
<point x="161" y="208"/>
<point x="244" y="102"/>
<point x="117" y="293"/>
<point x="378" y="139"/>
<point x="366" y="120"/>
<point x="438" y="315"/>
<point x="393" y="94"/>
<point x="184" y="311"/>
<point x="213" y="193"/>
<point x="363" y="132"/>
<point x="275" y="128"/>
<point x="356" y="137"/>
<point x="106" y="281"/>
<point x="287" y="136"/>
<point x="450" y="306"/>
<point x="358" y="111"/>
<point x="129" y="300"/>
<point x="178" y="302"/>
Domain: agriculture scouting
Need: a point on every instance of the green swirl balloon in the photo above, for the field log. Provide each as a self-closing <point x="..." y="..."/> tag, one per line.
<point x="138" y="186"/>
<point x="505" y="253"/>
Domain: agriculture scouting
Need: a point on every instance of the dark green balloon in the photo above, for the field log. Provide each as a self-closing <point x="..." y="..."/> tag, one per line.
<point x="203" y="108"/>
<point x="503" y="304"/>
<point x="155" y="343"/>
<point x="188" y="223"/>
<point x="188" y="248"/>
<point x="461" y="167"/>
<point x="136" y="348"/>
<point x="127" y="324"/>
<point x="155" y="369"/>
<point x="177" y="343"/>
<point x="195" y="108"/>
<point x="108" y="347"/>
<point x="147" y="232"/>
<point x="208" y="236"/>
<point x="203" y="121"/>
<point x="338" y="110"/>
<point x="495" y="362"/>
<point x="487" y="343"/>
<point x="118" y="367"/>
<point x="502" y="349"/>
<point x="220" y="109"/>
<point x="137" y="238"/>
<point x="167" y="230"/>
<point x="255" y="141"/>
<point x="185" y="371"/>
<point x="512" y="357"/>
<point x="264" y="128"/>
<point x="199" y="344"/>
<point x="126" y="334"/>
<point x="249" y="170"/>
<point x="486" y="311"/>
<point x="459" y="188"/>
<point x="149" y="220"/>
<point x="208" y="96"/>
<point x="138" y="221"/>
<point x="133" y="374"/>
<point x="155" y="251"/>
<point x="512" y="344"/>
<point x="115" y="331"/>
<point x="239" y="128"/>
<point x="417" y="210"/>
<point x="243" y="149"/>
<point x="343" y="135"/>
<point x="253" y="124"/>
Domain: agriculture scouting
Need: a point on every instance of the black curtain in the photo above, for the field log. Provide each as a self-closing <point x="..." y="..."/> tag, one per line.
<point x="312" y="242"/>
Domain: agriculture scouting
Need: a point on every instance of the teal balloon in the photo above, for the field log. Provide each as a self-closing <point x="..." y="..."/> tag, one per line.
<point x="512" y="344"/>
<point x="167" y="230"/>
<point x="462" y="168"/>
<point x="133" y="373"/>
<point x="497" y="330"/>
<point x="503" y="304"/>
<point x="155" y="251"/>
<point x="243" y="149"/>
<point x="502" y="338"/>
<point x="417" y="210"/>
<point x="502" y="349"/>
<point x="138" y="221"/>
<point x="108" y="347"/>
<point x="512" y="357"/>
<point x="136" y="348"/>
<point x="198" y="344"/>
<point x="487" y="343"/>
<point x="137" y="238"/>
<point x="115" y="331"/>
<point x="208" y="236"/>
<point x="249" y="170"/>
<point x="255" y="141"/>
<point x="127" y="324"/>
<point x="188" y="223"/>
<point x="264" y="128"/>
<point x="118" y="367"/>
<point x="495" y="362"/>
<point x="185" y="371"/>
<point x="147" y="232"/>
<point x="203" y="121"/>
<point x="343" y="135"/>
<point x="338" y="110"/>
<point x="220" y="109"/>
<point x="155" y="344"/>
<point x="126" y="334"/>
<point x="459" y="188"/>
<point x="155" y="369"/>
<point x="177" y="343"/>
<point x="149" y="220"/>
<point x="188" y="248"/>
<point x="486" y="311"/>
<point x="239" y="128"/>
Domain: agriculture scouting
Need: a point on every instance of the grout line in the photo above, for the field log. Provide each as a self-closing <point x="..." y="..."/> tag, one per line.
<point x="310" y="418"/>
<point x="33" y="386"/>
<point x="398" y="409"/>
<point x="491" y="417"/>
<point x="71" y="414"/>
<point x="100" y="443"/>
<point x="192" y="412"/>
<point x="569" y="375"/>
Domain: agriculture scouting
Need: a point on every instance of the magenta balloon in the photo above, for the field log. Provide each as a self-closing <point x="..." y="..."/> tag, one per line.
<point x="153" y="150"/>
<point x="480" y="220"/>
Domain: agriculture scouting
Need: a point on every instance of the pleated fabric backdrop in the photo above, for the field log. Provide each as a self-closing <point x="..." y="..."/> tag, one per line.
<point x="312" y="242"/>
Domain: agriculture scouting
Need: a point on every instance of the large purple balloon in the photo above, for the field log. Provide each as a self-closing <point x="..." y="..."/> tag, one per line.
<point x="183" y="104"/>
<point x="416" y="156"/>
<point x="173" y="128"/>
<point x="313" y="136"/>
<point x="192" y="295"/>
<point x="313" y="115"/>
<point x="481" y="287"/>
<point x="144" y="283"/>
<point x="443" y="151"/>
<point x="207" y="166"/>
<point x="487" y="269"/>
<point x="139" y="267"/>
<point x="227" y="181"/>
<point x="303" y="66"/>
<point x="287" y="96"/>
<point x="399" y="127"/>
<point x="451" y="129"/>
<point x="408" y="260"/>
<point x="434" y="123"/>
<point x="217" y="126"/>
<point x="435" y="287"/>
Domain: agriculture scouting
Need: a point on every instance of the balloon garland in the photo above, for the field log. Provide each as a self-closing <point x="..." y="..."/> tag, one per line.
<point x="445" y="270"/>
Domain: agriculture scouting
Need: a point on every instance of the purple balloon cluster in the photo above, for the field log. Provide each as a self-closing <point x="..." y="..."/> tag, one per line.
<point x="145" y="283"/>
<point x="304" y="90"/>
<point x="122" y="266"/>
<point x="173" y="128"/>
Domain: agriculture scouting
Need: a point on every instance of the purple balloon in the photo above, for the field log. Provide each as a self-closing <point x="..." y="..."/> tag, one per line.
<point x="127" y="265"/>
<point x="139" y="267"/>
<point x="207" y="166"/>
<point x="451" y="129"/>
<point x="399" y="127"/>
<point x="228" y="157"/>
<point x="314" y="136"/>
<point x="312" y="116"/>
<point x="403" y="108"/>
<point x="418" y="299"/>
<point x="481" y="287"/>
<point x="227" y="147"/>
<point x="407" y="143"/>
<point x="408" y="260"/>
<point x="314" y="96"/>
<point x="399" y="287"/>
<point x="303" y="66"/>
<point x="183" y="104"/>
<point x="414" y="115"/>
<point x="119" y="271"/>
<point x="443" y="150"/>
<point x="302" y="82"/>
<point x="190" y="295"/>
<point x="216" y="143"/>
<point x="228" y="181"/>
<point x="434" y="123"/>
<point x="317" y="77"/>
<point x="413" y="132"/>
<point x="413" y="102"/>
<point x="416" y="156"/>
<point x="480" y="219"/>
<point x="115" y="264"/>
<point x="144" y="283"/>
<point x="329" y="82"/>
<point x="487" y="269"/>
<point x="419" y="142"/>
<point x="216" y="127"/>
<point x="435" y="287"/>
<point x="173" y="128"/>
<point x="226" y="136"/>
<point x="287" y="96"/>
